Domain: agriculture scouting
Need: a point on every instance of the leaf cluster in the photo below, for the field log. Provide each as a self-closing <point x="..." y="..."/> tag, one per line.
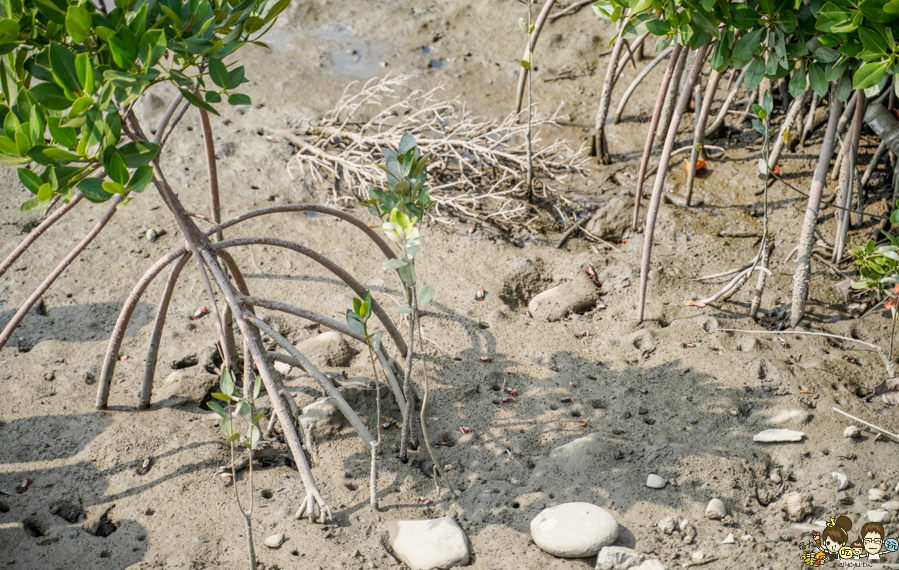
<point x="70" y="74"/>
<point x="238" y="406"/>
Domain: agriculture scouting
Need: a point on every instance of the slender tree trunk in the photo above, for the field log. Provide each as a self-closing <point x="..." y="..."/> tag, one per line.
<point x="699" y="130"/>
<point x="209" y="144"/>
<point x="650" y="135"/>
<point x="674" y="89"/>
<point x="600" y="146"/>
<point x="847" y="175"/>
<point x="653" y="210"/>
<point x="807" y="237"/>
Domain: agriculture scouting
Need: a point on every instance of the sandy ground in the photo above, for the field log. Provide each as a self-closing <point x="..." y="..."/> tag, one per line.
<point x="686" y="414"/>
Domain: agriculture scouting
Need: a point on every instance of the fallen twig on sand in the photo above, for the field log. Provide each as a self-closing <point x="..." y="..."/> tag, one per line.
<point x="879" y="429"/>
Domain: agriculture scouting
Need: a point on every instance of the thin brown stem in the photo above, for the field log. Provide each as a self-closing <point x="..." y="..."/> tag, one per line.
<point x="209" y="145"/>
<point x="699" y="130"/>
<point x="523" y="73"/>
<point x="600" y="146"/>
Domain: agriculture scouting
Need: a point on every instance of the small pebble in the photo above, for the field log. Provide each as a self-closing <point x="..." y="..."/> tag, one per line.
<point x="876" y="495"/>
<point x="626" y="414"/>
<point x="729" y="539"/>
<point x="275" y="540"/>
<point x="842" y="480"/>
<point x="655" y="482"/>
<point x="698" y="556"/>
<point x="619" y="455"/>
<point x="715" y="510"/>
<point x="775" y="477"/>
<point x="852" y="431"/>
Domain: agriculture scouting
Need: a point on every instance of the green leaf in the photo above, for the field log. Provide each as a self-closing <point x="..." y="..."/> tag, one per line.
<point x="236" y="78"/>
<point x="869" y="74"/>
<point x="394" y="264"/>
<point x="45" y="192"/>
<point x="31" y="205"/>
<point x="407" y="143"/>
<point x="226" y="383"/>
<point x="425" y="294"/>
<point x="78" y="23"/>
<point x="138" y="153"/>
<point x="54" y="10"/>
<point x="212" y="97"/>
<point x="23" y="143"/>
<point x="258" y="417"/>
<point x="116" y="168"/>
<point x="140" y="179"/>
<point x="746" y="45"/>
<point x="875" y="11"/>
<point x="239" y="99"/>
<point x="873" y="41"/>
<point x="85" y="73"/>
<point x="152" y="47"/>
<point x="528" y="58"/>
<point x="228" y="428"/>
<point x="640" y="5"/>
<point x="196" y="102"/>
<point x="217" y="408"/>
<point x="255" y="435"/>
<point x="50" y="96"/>
<point x="121" y="55"/>
<point x="92" y="188"/>
<point x="257" y="388"/>
<point x="754" y="74"/>
<point x="375" y="343"/>
<point x="661" y="27"/>
<point x="113" y="187"/>
<point x="61" y="155"/>
<point x="743" y="17"/>
<point x="222" y="397"/>
<point x="9" y="31"/>
<point x="172" y="16"/>
<point x="218" y="73"/>
<point x="8" y="146"/>
<point x="33" y="182"/>
<point x="62" y="64"/>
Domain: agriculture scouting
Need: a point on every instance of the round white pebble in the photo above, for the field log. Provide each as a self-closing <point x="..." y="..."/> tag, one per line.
<point x="655" y="482"/>
<point x="574" y="530"/>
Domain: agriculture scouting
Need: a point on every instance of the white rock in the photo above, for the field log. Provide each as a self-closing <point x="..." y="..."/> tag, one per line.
<point x="655" y="482"/>
<point x="282" y="367"/>
<point x="729" y="539"/>
<point x="574" y="530"/>
<point x="842" y="480"/>
<point x="879" y="516"/>
<point x="329" y="348"/>
<point x="778" y="436"/>
<point x="797" y="505"/>
<point x="746" y="538"/>
<point x="715" y="510"/>
<point x="573" y="297"/>
<point x="890" y="506"/>
<point x="429" y="544"/>
<point x="875" y="494"/>
<point x="852" y="431"/>
<point x="789" y="415"/>
<point x="275" y="540"/>
<point x="698" y="556"/>
<point x="618" y="558"/>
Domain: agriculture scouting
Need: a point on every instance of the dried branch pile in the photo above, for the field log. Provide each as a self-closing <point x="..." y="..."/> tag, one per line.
<point x="477" y="162"/>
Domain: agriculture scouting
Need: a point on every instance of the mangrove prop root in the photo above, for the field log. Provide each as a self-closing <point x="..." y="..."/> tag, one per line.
<point x="674" y="88"/>
<point x="600" y="146"/>
<point x="640" y="77"/>
<point x="650" y="135"/>
<point x="699" y="130"/>
<point x="848" y="175"/>
<point x="807" y="236"/>
<point x="653" y="210"/>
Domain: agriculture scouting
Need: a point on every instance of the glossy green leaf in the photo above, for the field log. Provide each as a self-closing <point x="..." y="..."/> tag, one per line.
<point x="661" y="27"/>
<point x="226" y="383"/>
<point x="62" y="64"/>
<point x="78" y="23"/>
<point x="30" y="179"/>
<point x="869" y="74"/>
<point x="239" y="99"/>
<point x="9" y="30"/>
<point x="816" y="79"/>
<point x="23" y="143"/>
<point x="140" y="179"/>
<point x="8" y="146"/>
<point x="217" y="408"/>
<point x="32" y="205"/>
<point x="61" y="155"/>
<point x="45" y="192"/>
<point x="873" y="41"/>
<point x="257" y="388"/>
<point x="92" y="188"/>
<point x="84" y="71"/>
<point x="120" y="53"/>
<point x="197" y="102"/>
<point x="152" y="48"/>
<point x="218" y="73"/>
<point x="50" y="96"/>
<point x="116" y="168"/>
<point x="113" y="187"/>
<point x="54" y="10"/>
<point x="138" y="153"/>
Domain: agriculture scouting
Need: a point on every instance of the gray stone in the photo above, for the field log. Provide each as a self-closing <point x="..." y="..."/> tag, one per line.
<point x="574" y="530"/>
<point x="611" y="221"/>
<point x="796" y="505"/>
<point x="576" y="296"/>
<point x="429" y="544"/>
<point x="655" y="482"/>
<point x="715" y="510"/>
<point x="852" y="431"/>
<point x="194" y="384"/>
<point x="275" y="540"/>
<point x="322" y="417"/>
<point x="329" y="349"/>
<point x="879" y="516"/>
<point x="618" y="558"/>
<point x="668" y="524"/>
<point x="875" y="494"/>
<point x="778" y="436"/>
